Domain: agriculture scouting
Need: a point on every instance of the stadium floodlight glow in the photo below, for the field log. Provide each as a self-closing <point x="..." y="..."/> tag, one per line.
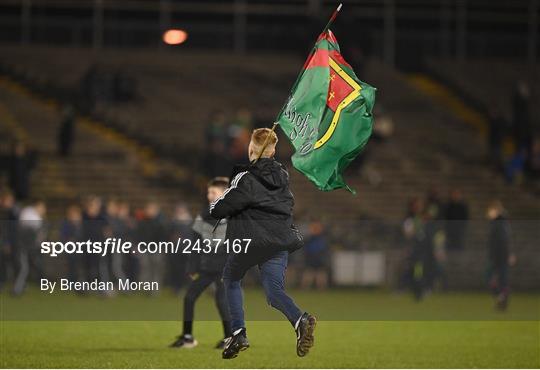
<point x="175" y="36"/>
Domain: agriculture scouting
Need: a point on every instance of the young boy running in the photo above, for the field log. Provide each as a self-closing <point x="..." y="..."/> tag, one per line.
<point x="206" y="268"/>
<point x="258" y="205"/>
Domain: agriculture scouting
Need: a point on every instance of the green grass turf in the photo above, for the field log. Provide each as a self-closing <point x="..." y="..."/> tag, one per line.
<point x="331" y="305"/>
<point x="338" y="344"/>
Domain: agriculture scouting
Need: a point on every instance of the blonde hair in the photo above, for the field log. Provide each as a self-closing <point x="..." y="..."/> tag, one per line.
<point x="261" y="136"/>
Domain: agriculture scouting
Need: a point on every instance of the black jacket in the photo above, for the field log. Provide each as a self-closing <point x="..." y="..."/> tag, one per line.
<point x="259" y="207"/>
<point x="499" y="243"/>
<point x="208" y="233"/>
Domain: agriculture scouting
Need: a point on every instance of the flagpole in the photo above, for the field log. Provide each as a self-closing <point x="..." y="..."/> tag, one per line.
<point x="330" y="21"/>
<point x="333" y="17"/>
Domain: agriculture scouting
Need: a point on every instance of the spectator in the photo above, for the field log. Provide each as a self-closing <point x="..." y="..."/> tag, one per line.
<point x="93" y="229"/>
<point x="535" y="159"/>
<point x="71" y="231"/>
<point x="410" y="229"/>
<point x="129" y="264"/>
<point x="515" y="168"/>
<point x="114" y="262"/>
<point x="66" y="132"/>
<point x="500" y="253"/>
<point x="152" y="229"/>
<point x="316" y="257"/>
<point x="434" y="203"/>
<point x="31" y="232"/>
<point x="417" y="274"/>
<point x="430" y="263"/>
<point x="383" y="129"/>
<point x="522" y="122"/>
<point x="216" y="160"/>
<point x="21" y="164"/>
<point x="497" y="128"/>
<point x="9" y="215"/>
<point x="240" y="135"/>
<point x="180" y="228"/>
<point x="456" y="219"/>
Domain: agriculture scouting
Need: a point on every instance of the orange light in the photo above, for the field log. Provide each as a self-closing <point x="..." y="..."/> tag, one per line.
<point x="175" y="37"/>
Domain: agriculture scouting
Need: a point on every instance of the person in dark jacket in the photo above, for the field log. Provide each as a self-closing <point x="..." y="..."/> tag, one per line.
<point x="94" y="226"/>
<point x="21" y="164"/>
<point x="9" y="215"/>
<point x="66" y="132"/>
<point x="497" y="128"/>
<point x="499" y="252"/>
<point x="206" y="268"/>
<point x="127" y="264"/>
<point x="316" y="258"/>
<point x="180" y="227"/>
<point x="71" y="231"/>
<point x="151" y="229"/>
<point x="258" y="205"/>
<point x="523" y="129"/>
<point x="457" y="218"/>
<point x="216" y="160"/>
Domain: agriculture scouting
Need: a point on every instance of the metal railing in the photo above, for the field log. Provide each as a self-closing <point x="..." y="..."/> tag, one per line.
<point x="450" y="28"/>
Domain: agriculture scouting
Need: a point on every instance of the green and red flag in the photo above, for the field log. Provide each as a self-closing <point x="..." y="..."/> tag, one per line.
<point x="327" y="117"/>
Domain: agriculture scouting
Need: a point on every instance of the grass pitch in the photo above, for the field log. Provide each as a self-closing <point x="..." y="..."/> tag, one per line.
<point x="338" y="344"/>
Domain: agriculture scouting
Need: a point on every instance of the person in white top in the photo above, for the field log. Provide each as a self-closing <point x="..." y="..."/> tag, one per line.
<point x="31" y="231"/>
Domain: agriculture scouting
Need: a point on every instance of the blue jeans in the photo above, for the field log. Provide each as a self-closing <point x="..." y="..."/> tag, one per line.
<point x="273" y="281"/>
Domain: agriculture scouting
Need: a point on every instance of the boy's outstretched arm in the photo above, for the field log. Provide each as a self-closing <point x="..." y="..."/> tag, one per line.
<point x="235" y="198"/>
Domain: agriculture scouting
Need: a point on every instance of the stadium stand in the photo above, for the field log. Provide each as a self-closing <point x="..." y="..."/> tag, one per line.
<point x="101" y="164"/>
<point x="430" y="145"/>
<point x="486" y="82"/>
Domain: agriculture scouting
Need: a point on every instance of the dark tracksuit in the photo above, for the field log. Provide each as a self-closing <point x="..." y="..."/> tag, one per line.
<point x="94" y="265"/>
<point x="207" y="268"/>
<point x="8" y="242"/>
<point x="499" y="252"/>
<point x="258" y="205"/>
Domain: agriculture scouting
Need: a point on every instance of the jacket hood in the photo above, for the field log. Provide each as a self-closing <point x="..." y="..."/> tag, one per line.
<point x="270" y="173"/>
